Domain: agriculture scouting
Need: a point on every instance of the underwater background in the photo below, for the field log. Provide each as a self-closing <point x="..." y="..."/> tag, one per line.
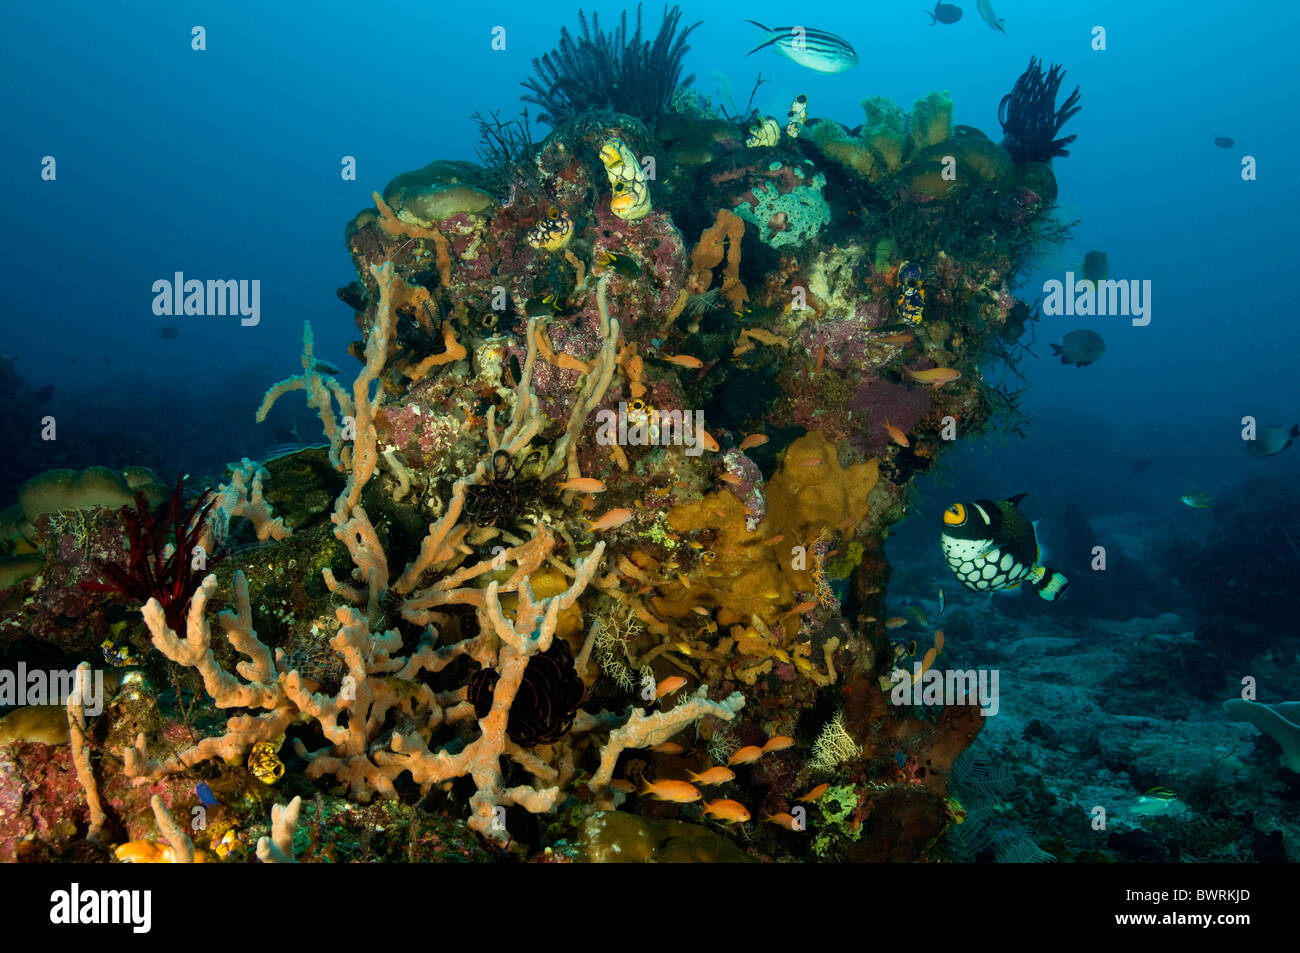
<point x="225" y="162"/>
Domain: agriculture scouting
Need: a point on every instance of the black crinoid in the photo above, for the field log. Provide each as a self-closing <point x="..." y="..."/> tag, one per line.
<point x="547" y="701"/>
<point x="503" y="492"/>
<point x="611" y="71"/>
<point x="1030" y="118"/>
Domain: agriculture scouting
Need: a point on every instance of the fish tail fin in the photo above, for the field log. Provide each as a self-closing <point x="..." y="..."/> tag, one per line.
<point x="1295" y="430"/>
<point x="933" y="19"/>
<point x="1056" y="349"/>
<point x="770" y="40"/>
<point x="1048" y="583"/>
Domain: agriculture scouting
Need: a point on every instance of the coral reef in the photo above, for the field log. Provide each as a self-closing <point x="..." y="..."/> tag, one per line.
<point x="601" y="506"/>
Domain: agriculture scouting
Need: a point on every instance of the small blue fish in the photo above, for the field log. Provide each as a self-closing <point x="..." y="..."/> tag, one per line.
<point x="815" y="49"/>
<point x="941" y="603"/>
<point x="901" y="757"/>
<point x="1197" y="501"/>
<point x="206" y="797"/>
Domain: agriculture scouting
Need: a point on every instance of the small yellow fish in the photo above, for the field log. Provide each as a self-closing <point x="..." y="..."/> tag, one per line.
<point x="938" y="376"/>
<point x="611" y="520"/>
<point x="746" y="755"/>
<point x="753" y="440"/>
<point x="778" y="743"/>
<point x="584" y="485"/>
<point x="715" y="775"/>
<point x="683" y="360"/>
<point x="679" y="792"/>
<point x="729" y="812"/>
<point x="669" y="685"/>
<point x="896" y="435"/>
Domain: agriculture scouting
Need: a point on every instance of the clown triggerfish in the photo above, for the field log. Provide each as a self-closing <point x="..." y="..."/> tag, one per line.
<point x="991" y="546"/>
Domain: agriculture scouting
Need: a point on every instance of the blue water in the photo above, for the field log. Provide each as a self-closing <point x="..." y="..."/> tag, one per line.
<point x="226" y="163"/>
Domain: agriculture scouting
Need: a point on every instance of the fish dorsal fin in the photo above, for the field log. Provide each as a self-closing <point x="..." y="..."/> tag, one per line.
<point x="1015" y="500"/>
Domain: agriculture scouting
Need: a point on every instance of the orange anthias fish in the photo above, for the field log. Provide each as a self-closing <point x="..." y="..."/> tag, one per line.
<point x="669" y="685"/>
<point x="679" y="792"/>
<point x="938" y="376"/>
<point x="668" y="747"/>
<point x="584" y="485"/>
<point x="731" y="479"/>
<point x="706" y="440"/>
<point x="729" y="812"/>
<point x="896" y="338"/>
<point x="753" y="440"/>
<point x="896" y="435"/>
<point x="785" y="820"/>
<point x="778" y="743"/>
<point x="746" y="755"/>
<point x="800" y="609"/>
<point x="683" y="360"/>
<point x="610" y="520"/>
<point x="715" y="775"/>
<point x="896" y="622"/>
<point x="815" y="793"/>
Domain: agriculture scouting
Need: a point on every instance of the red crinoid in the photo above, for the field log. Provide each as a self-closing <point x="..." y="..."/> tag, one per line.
<point x="149" y="571"/>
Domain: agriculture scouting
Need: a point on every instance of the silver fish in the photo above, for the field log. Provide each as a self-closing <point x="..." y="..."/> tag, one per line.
<point x="815" y="49"/>
<point x="1271" y="440"/>
<point x="991" y="18"/>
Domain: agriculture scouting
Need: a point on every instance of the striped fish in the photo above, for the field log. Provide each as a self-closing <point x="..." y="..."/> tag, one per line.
<point x="815" y="49"/>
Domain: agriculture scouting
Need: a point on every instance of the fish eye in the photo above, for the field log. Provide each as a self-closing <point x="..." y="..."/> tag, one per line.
<point x="955" y="515"/>
<point x="490" y="320"/>
<point x="708" y="555"/>
<point x="553" y="213"/>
